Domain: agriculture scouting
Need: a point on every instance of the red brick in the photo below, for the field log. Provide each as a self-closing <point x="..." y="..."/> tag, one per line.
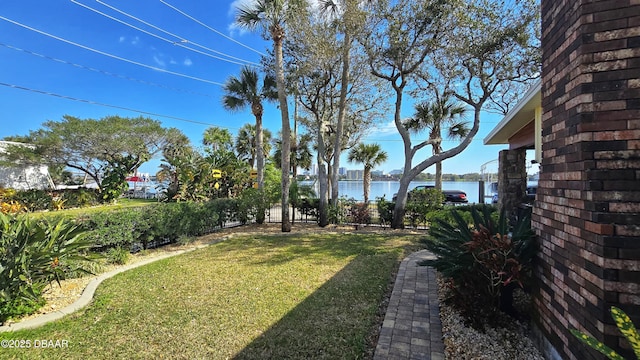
<point x="601" y="229"/>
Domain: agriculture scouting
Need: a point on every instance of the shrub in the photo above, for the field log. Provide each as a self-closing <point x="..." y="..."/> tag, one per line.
<point x="338" y="213"/>
<point x="122" y="227"/>
<point x="359" y="213"/>
<point x="33" y="254"/>
<point x="483" y="261"/>
<point x="117" y="255"/>
<point x="385" y="210"/>
<point x="33" y="200"/>
<point x="421" y="203"/>
<point x="7" y="204"/>
<point x="309" y="207"/>
<point x="81" y="197"/>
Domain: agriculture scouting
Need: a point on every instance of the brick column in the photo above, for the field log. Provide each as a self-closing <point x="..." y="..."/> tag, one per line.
<point x="512" y="179"/>
<point x="587" y="212"/>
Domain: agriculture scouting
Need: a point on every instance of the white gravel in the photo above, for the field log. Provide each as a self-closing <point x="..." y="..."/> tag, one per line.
<point x="461" y="342"/>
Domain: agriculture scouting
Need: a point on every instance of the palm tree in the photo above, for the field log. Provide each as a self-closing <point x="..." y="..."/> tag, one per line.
<point x="243" y="91"/>
<point x="271" y="16"/>
<point x="370" y="155"/>
<point x="433" y="116"/>
<point x="218" y="138"/>
<point x="246" y="143"/>
<point x="301" y="156"/>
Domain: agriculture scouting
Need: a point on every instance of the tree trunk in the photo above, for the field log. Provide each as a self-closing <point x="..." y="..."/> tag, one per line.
<point x="437" y="149"/>
<point x="323" y="206"/>
<point x="439" y="175"/>
<point x="342" y="105"/>
<point x="286" y="130"/>
<point x="401" y="202"/>
<point x="366" y="182"/>
<point x="260" y="166"/>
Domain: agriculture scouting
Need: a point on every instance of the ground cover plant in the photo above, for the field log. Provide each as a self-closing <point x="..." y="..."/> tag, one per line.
<point x="252" y="297"/>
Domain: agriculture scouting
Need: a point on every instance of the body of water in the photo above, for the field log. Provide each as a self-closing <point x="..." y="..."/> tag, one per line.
<point x="355" y="189"/>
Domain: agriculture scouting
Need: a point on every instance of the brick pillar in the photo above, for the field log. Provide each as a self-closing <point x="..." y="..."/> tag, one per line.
<point x="512" y="179"/>
<point x="587" y="213"/>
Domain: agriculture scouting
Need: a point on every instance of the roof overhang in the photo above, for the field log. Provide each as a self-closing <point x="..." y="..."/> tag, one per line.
<point x="516" y="119"/>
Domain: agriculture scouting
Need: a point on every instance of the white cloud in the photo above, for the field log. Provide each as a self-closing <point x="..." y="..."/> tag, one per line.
<point x="386" y="129"/>
<point x="187" y="62"/>
<point x="159" y="61"/>
<point x="135" y="40"/>
<point x="233" y="28"/>
<point x="121" y="39"/>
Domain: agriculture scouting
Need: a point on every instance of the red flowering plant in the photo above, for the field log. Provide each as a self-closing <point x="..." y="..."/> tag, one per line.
<point x="483" y="261"/>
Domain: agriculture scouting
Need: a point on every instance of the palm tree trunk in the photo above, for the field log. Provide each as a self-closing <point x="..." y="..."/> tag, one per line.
<point x="286" y="130"/>
<point x="367" y="183"/>
<point x="439" y="175"/>
<point x="260" y="216"/>
<point x="437" y="149"/>
<point x="259" y="152"/>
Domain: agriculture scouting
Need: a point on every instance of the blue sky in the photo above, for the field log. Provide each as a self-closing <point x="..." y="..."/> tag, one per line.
<point x="170" y="83"/>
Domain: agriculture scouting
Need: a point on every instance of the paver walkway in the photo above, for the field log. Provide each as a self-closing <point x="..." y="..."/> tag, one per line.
<point x="411" y="327"/>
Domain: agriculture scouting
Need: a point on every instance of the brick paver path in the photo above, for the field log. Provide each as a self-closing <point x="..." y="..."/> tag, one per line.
<point x="411" y="327"/>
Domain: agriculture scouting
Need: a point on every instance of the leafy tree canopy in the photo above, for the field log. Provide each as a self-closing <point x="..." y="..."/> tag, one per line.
<point x="106" y="149"/>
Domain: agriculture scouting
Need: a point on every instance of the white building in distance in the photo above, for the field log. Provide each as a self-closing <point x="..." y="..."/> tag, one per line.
<point x="23" y="177"/>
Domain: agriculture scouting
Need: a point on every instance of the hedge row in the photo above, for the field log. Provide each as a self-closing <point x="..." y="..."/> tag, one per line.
<point x="156" y="224"/>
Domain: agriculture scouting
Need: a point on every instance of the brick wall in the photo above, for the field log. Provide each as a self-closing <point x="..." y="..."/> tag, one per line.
<point x="587" y="210"/>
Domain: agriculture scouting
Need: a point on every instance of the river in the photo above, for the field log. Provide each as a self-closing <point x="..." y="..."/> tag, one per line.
<point x="355" y="189"/>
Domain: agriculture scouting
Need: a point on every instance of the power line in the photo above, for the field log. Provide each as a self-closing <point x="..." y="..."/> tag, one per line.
<point x="182" y="39"/>
<point x="110" y="55"/>
<point x="209" y="27"/>
<point x="104" y="72"/>
<point x="110" y="106"/>
<point x="244" y="62"/>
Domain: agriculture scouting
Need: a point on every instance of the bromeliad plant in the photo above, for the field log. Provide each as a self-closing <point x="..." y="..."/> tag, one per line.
<point x="625" y="326"/>
<point x="483" y="262"/>
<point x="33" y="254"/>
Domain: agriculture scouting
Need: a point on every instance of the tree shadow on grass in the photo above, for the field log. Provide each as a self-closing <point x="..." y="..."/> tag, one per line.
<point x="336" y="320"/>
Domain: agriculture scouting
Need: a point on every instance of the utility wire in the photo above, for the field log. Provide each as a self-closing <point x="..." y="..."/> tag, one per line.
<point x="104" y="72"/>
<point x="160" y="37"/>
<point x="110" y="106"/>
<point x="181" y="39"/>
<point x="209" y="27"/>
<point x="109" y="55"/>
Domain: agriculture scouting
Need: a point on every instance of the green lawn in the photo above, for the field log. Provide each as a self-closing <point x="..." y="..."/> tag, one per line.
<point x="75" y="212"/>
<point x="281" y="296"/>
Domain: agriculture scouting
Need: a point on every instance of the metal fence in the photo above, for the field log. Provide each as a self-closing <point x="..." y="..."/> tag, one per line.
<point x="274" y="215"/>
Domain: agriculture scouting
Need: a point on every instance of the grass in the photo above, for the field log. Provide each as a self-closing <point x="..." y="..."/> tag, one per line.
<point x="76" y="212"/>
<point x="255" y="297"/>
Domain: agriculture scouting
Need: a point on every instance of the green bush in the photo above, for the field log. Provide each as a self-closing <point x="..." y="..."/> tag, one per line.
<point x="338" y="214"/>
<point x="117" y="256"/>
<point x="385" y="210"/>
<point x="82" y="197"/>
<point x="464" y="211"/>
<point x="33" y="254"/>
<point x="34" y="200"/>
<point x="117" y="228"/>
<point x="483" y="261"/>
<point x="309" y="207"/>
<point x="158" y="223"/>
<point x="421" y="203"/>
